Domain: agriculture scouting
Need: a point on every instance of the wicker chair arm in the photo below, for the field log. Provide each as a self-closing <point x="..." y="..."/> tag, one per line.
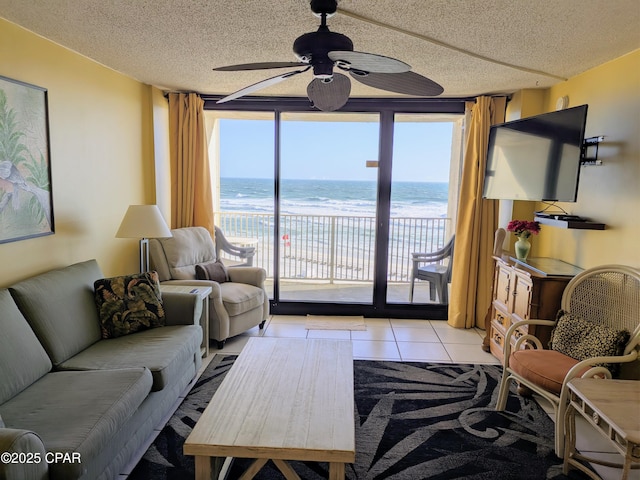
<point x="594" y="361"/>
<point x="531" y="339"/>
<point x="511" y="332"/>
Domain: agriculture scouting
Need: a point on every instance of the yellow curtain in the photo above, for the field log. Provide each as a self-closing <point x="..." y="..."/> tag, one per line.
<point x="191" y="197"/>
<point x="472" y="273"/>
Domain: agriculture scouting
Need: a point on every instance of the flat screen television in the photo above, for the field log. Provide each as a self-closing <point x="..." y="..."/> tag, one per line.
<point x="536" y="158"/>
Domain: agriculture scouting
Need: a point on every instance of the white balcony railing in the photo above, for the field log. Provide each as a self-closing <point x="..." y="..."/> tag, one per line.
<point x="330" y="248"/>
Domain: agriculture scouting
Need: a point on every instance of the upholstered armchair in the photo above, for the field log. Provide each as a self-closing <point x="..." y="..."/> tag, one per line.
<point x="238" y="300"/>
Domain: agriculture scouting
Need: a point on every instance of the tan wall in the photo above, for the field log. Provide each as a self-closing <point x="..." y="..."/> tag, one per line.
<point x="609" y="193"/>
<point x="101" y="136"/>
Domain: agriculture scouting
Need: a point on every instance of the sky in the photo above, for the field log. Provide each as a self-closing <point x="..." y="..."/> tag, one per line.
<point x="333" y="151"/>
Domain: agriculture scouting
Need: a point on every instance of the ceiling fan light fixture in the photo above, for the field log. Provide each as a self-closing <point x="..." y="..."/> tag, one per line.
<point x="328" y="96"/>
<point x="324" y="49"/>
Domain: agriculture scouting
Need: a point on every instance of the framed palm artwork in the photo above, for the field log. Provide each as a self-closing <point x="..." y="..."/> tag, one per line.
<point x="26" y="196"/>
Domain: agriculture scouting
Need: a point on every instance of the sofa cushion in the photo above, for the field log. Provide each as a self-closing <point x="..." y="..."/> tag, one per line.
<point x="22" y="358"/>
<point x="581" y="339"/>
<point x="214" y="271"/>
<point x="60" y="308"/>
<point x="239" y="298"/>
<point x="78" y="412"/>
<point x="163" y="351"/>
<point x="187" y="248"/>
<point x="129" y="304"/>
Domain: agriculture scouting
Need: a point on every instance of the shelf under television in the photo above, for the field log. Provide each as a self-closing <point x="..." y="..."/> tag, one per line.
<point x="574" y="224"/>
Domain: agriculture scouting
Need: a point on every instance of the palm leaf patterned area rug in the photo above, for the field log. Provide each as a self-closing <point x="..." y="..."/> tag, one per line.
<point x="413" y="421"/>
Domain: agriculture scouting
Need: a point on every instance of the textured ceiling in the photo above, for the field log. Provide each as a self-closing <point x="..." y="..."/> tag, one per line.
<point x="470" y="47"/>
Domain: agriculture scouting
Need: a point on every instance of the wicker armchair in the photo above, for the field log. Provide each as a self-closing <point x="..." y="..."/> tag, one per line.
<point x="607" y="298"/>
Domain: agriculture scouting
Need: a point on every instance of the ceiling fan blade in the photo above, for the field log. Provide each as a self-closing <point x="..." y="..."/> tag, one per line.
<point x="408" y="83"/>
<point x="368" y="62"/>
<point x="329" y="96"/>
<point x="258" y="66"/>
<point x="262" y="84"/>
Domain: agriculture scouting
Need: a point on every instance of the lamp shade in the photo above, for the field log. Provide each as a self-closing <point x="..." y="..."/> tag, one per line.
<point x="143" y="221"/>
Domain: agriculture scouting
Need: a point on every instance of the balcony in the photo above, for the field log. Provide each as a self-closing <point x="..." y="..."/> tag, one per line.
<point x="324" y="252"/>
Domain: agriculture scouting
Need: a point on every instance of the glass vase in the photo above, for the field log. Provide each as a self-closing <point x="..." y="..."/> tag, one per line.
<point x="522" y="247"/>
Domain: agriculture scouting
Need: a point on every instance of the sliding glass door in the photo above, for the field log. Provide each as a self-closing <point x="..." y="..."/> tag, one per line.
<point x="420" y="207"/>
<point x="327" y="207"/>
<point x="335" y="203"/>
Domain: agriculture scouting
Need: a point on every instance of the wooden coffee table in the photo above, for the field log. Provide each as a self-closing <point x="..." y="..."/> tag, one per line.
<point x="283" y="399"/>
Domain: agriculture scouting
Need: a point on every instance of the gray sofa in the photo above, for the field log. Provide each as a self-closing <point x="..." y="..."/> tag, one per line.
<point x="65" y="390"/>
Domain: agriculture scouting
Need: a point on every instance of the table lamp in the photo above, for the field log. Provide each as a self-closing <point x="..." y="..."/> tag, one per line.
<point x="144" y="222"/>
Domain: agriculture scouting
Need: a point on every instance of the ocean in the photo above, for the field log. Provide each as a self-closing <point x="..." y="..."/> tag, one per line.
<point x="328" y="227"/>
<point x="333" y="197"/>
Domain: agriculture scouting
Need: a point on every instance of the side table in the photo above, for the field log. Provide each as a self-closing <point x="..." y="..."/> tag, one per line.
<point x="202" y="293"/>
<point x="613" y="408"/>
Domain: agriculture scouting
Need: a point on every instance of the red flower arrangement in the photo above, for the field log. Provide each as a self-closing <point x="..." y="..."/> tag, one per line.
<point x="523" y="228"/>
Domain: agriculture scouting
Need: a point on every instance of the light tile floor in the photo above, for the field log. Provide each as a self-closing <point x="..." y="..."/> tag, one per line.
<point x="420" y="341"/>
<point x="384" y="339"/>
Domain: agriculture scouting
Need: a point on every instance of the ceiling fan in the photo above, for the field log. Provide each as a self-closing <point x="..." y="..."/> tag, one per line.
<point x="323" y="50"/>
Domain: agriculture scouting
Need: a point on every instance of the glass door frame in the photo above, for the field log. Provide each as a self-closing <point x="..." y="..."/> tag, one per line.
<point x="386" y="108"/>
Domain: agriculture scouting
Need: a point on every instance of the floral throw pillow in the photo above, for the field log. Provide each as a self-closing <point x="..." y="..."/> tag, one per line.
<point x="580" y="339"/>
<point x="129" y="304"/>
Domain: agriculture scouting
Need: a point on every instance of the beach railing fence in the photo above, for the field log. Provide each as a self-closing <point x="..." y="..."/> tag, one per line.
<point x="331" y="247"/>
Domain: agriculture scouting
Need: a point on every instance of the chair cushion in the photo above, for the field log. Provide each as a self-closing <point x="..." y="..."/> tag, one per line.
<point x="129" y="304"/>
<point x="581" y="339"/>
<point x="239" y="298"/>
<point x="22" y="358"/>
<point x="545" y="368"/>
<point x="215" y="271"/>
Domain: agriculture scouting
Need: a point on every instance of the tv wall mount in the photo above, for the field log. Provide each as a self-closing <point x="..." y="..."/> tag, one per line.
<point x="589" y="151"/>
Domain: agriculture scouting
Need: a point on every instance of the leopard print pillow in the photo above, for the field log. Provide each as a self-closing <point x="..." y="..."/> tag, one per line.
<point x="581" y="339"/>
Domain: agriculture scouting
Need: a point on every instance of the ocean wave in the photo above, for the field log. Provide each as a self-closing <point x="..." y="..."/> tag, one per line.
<point x="342" y="198"/>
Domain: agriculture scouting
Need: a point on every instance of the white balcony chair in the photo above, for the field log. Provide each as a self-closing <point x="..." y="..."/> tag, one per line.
<point x="244" y="254"/>
<point x="607" y="298"/>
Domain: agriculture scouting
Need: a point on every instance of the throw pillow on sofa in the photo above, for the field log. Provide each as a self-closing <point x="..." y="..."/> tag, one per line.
<point x="129" y="304"/>
<point x="580" y="339"/>
<point x="215" y="271"/>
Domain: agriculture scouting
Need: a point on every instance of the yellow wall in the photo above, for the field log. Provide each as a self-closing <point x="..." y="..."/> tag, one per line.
<point x="101" y="137"/>
<point x="609" y="193"/>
